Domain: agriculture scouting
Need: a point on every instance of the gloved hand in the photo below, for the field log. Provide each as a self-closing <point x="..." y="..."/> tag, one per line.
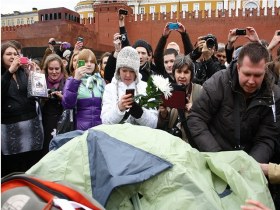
<point x="136" y="111"/>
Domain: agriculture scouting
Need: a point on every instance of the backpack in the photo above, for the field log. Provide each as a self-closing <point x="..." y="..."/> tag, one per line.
<point x="22" y="192"/>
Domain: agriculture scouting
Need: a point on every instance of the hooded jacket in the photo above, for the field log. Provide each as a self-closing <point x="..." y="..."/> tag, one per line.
<point x="211" y="121"/>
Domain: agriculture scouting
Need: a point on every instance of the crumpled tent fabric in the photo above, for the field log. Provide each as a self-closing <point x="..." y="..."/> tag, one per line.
<point x="197" y="180"/>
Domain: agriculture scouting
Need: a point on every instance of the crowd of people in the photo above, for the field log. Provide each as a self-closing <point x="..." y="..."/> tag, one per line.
<point x="232" y="94"/>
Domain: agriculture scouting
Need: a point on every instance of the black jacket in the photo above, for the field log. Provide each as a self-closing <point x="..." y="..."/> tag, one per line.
<point x="205" y="69"/>
<point x="15" y="106"/>
<point x="211" y="120"/>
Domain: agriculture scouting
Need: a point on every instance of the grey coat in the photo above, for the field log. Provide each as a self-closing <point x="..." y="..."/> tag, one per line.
<point x="211" y="121"/>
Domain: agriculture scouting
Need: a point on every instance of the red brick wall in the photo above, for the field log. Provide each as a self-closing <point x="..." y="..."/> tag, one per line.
<point x="98" y="32"/>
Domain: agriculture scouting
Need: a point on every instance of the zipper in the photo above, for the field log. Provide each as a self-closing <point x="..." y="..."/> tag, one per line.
<point x="36" y="183"/>
<point x="14" y="77"/>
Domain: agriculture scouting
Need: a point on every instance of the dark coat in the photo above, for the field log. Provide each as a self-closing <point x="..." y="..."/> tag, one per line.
<point x="211" y="120"/>
<point x="51" y="112"/>
<point x="15" y="105"/>
<point x="205" y="69"/>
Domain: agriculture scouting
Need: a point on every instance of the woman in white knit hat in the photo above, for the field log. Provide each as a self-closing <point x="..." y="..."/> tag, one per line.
<point x="119" y="107"/>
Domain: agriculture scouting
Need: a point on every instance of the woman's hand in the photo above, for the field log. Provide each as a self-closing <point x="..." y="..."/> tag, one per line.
<point x="58" y="94"/>
<point x="254" y="205"/>
<point x="125" y="102"/>
<point x="15" y="65"/>
<point x="80" y="72"/>
<point x="181" y="28"/>
<point x="166" y="30"/>
<point x="78" y="46"/>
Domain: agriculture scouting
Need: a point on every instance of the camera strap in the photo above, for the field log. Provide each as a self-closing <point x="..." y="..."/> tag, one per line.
<point x="183" y="120"/>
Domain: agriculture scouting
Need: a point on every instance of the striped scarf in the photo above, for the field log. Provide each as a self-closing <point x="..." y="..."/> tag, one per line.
<point x="92" y="85"/>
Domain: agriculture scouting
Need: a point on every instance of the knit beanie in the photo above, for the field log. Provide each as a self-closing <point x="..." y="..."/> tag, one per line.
<point x="128" y="57"/>
<point x="142" y="43"/>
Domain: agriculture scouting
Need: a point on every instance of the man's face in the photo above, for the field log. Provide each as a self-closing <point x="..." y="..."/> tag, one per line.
<point x="221" y="57"/>
<point x="143" y="54"/>
<point x="168" y="62"/>
<point x="183" y="75"/>
<point x="250" y="75"/>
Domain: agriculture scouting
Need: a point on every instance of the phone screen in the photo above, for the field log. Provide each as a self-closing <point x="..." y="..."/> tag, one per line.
<point x="173" y="26"/>
<point x="129" y="91"/>
<point x="81" y="63"/>
<point x="80" y="39"/>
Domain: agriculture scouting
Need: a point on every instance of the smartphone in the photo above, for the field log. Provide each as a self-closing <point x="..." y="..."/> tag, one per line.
<point x="173" y="26"/>
<point x="130" y="91"/>
<point x="241" y="32"/>
<point x="123" y="12"/>
<point x="81" y="63"/>
<point x="177" y="100"/>
<point x="23" y="60"/>
<point x="80" y="39"/>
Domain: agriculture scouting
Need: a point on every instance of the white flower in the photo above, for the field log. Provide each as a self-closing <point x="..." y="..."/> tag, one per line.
<point x="163" y="85"/>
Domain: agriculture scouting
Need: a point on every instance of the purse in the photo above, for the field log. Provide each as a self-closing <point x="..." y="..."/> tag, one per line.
<point x="66" y="122"/>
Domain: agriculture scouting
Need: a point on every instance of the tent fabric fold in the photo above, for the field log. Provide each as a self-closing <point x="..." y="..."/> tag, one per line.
<point x="131" y="167"/>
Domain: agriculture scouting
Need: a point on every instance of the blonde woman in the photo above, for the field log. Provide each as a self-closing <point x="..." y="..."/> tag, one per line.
<point x="83" y="92"/>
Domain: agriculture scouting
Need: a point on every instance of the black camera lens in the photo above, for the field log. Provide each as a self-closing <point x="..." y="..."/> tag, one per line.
<point x="210" y="43"/>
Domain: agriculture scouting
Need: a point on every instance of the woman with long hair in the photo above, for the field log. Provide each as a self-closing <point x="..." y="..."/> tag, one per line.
<point x="21" y="128"/>
<point x="83" y="92"/>
<point x="51" y="107"/>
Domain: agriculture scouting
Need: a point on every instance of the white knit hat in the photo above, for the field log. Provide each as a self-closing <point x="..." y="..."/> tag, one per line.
<point x="128" y="57"/>
<point x="66" y="54"/>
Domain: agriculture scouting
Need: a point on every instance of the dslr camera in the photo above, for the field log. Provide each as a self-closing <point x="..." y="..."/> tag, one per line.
<point x="211" y="41"/>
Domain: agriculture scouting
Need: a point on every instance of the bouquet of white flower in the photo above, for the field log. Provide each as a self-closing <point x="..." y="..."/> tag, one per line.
<point x="157" y="86"/>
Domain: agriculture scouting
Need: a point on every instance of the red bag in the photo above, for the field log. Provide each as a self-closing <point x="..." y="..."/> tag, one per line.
<point x="28" y="192"/>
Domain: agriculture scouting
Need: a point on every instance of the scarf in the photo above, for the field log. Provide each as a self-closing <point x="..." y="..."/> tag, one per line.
<point x="92" y="85"/>
<point x="54" y="83"/>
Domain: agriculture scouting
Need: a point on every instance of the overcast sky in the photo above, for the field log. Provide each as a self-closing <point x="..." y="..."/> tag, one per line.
<point x="9" y="6"/>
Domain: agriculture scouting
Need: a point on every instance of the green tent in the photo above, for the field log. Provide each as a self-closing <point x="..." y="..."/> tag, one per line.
<point x="175" y="176"/>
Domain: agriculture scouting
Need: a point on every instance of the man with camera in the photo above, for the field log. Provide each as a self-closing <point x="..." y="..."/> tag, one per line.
<point x="206" y="64"/>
